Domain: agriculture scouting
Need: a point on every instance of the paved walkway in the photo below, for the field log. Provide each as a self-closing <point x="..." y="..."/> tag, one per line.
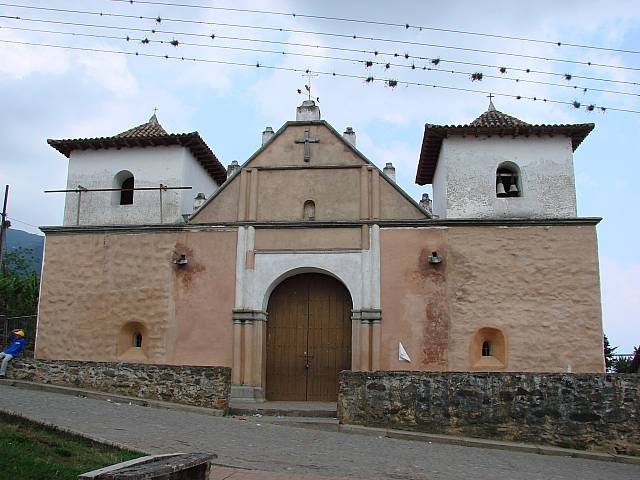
<point x="258" y="445"/>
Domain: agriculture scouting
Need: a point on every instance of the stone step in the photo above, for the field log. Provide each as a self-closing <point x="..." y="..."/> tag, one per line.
<point x="284" y="409"/>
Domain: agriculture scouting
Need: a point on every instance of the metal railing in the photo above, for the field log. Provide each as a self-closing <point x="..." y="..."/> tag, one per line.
<point x="80" y="190"/>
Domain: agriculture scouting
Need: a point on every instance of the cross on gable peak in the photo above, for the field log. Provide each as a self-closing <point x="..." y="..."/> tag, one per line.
<point x="306" y="141"/>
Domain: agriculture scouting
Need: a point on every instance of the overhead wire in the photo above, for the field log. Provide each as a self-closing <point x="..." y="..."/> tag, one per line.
<point x="327" y="47"/>
<point x="327" y="34"/>
<point x="389" y="82"/>
<point x="20" y="221"/>
<point x="308" y="55"/>
<point x="406" y="26"/>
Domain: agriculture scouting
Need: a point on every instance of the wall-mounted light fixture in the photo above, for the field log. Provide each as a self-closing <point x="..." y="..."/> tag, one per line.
<point x="181" y="260"/>
<point x="434" y="258"/>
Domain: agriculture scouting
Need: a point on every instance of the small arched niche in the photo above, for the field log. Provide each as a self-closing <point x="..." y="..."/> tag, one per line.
<point x="508" y="180"/>
<point x="309" y="210"/>
<point x="132" y="342"/>
<point x="125" y="181"/>
<point x="488" y="350"/>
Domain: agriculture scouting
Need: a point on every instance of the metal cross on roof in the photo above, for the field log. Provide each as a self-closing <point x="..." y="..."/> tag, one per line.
<point x="307" y="148"/>
<point x="491" y="107"/>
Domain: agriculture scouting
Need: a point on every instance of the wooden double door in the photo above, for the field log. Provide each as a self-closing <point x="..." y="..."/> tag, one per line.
<point x="308" y="338"/>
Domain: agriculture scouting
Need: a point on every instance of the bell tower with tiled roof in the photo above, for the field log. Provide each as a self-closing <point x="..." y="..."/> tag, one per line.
<point x="118" y="179"/>
<point x="498" y="166"/>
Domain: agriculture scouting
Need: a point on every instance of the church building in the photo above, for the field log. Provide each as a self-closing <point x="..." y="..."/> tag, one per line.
<point x="307" y="259"/>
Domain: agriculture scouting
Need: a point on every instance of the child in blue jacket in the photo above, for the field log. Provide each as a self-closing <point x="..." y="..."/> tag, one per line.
<point x="12" y="351"/>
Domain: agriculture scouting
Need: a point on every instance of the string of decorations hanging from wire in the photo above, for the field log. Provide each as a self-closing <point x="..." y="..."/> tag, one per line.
<point x="388" y="82"/>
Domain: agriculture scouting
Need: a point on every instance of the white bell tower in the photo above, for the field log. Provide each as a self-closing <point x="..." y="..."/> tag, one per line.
<point x="501" y="167"/>
<point x="131" y="178"/>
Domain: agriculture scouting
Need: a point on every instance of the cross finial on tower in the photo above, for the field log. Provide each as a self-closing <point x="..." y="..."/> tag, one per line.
<point x="491" y="107"/>
<point x="153" y="118"/>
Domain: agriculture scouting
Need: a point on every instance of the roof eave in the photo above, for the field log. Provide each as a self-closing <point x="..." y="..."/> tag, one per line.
<point x="193" y="141"/>
<point x="433" y="135"/>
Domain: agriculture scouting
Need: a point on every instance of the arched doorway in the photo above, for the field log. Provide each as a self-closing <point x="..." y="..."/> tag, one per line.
<point x="308" y="338"/>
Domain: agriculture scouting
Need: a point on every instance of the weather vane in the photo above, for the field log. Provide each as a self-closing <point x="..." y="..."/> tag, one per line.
<point x="307" y="86"/>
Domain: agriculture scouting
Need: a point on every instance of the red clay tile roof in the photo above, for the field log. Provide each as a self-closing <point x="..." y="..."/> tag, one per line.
<point x="150" y="134"/>
<point x="491" y="122"/>
<point x="494" y="118"/>
<point x="150" y="129"/>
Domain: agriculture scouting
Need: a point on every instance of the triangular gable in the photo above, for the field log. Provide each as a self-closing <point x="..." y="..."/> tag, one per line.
<point x="274" y="182"/>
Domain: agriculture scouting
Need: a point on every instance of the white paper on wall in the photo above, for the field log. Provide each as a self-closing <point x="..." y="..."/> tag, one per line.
<point x="403" y="356"/>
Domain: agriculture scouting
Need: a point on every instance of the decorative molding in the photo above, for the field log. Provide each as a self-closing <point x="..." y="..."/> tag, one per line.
<point x="322" y="251"/>
<point x="427" y="223"/>
<point x="367" y="315"/>
<point x="249" y="316"/>
<point x="310" y="167"/>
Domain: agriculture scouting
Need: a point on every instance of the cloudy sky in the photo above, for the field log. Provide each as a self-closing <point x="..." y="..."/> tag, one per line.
<point x="68" y="93"/>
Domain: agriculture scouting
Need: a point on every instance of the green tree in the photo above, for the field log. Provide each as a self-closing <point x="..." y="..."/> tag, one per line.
<point x="609" y="351"/>
<point x="635" y="363"/>
<point x="622" y="365"/>
<point x="19" y="289"/>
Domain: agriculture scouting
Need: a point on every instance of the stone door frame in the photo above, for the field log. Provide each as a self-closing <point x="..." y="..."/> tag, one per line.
<point x="257" y="275"/>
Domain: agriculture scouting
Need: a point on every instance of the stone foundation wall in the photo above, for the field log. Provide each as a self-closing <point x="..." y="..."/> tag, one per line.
<point x="584" y="411"/>
<point x="189" y="385"/>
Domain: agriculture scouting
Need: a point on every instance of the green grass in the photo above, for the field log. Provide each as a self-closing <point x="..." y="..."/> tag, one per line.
<point x="29" y="451"/>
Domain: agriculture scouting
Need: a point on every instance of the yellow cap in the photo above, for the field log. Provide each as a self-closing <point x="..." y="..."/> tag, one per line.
<point x="19" y="332"/>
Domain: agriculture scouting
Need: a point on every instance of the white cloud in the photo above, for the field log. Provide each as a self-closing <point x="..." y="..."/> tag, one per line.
<point x="20" y="61"/>
<point x="403" y="155"/>
<point x="109" y="71"/>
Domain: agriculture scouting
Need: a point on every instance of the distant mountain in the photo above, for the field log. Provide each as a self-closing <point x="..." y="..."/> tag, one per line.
<point x="19" y="239"/>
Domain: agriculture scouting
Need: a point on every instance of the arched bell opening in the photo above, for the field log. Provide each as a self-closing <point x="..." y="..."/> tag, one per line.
<point x="508" y="180"/>
<point x="125" y="182"/>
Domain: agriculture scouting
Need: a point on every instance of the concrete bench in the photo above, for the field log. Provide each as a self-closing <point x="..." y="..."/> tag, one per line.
<point x="175" y="466"/>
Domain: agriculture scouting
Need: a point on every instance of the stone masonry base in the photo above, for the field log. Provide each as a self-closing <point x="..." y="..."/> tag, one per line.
<point x="198" y="386"/>
<point x="598" y="412"/>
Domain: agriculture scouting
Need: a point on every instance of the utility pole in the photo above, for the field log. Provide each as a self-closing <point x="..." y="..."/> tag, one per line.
<point x="3" y="225"/>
